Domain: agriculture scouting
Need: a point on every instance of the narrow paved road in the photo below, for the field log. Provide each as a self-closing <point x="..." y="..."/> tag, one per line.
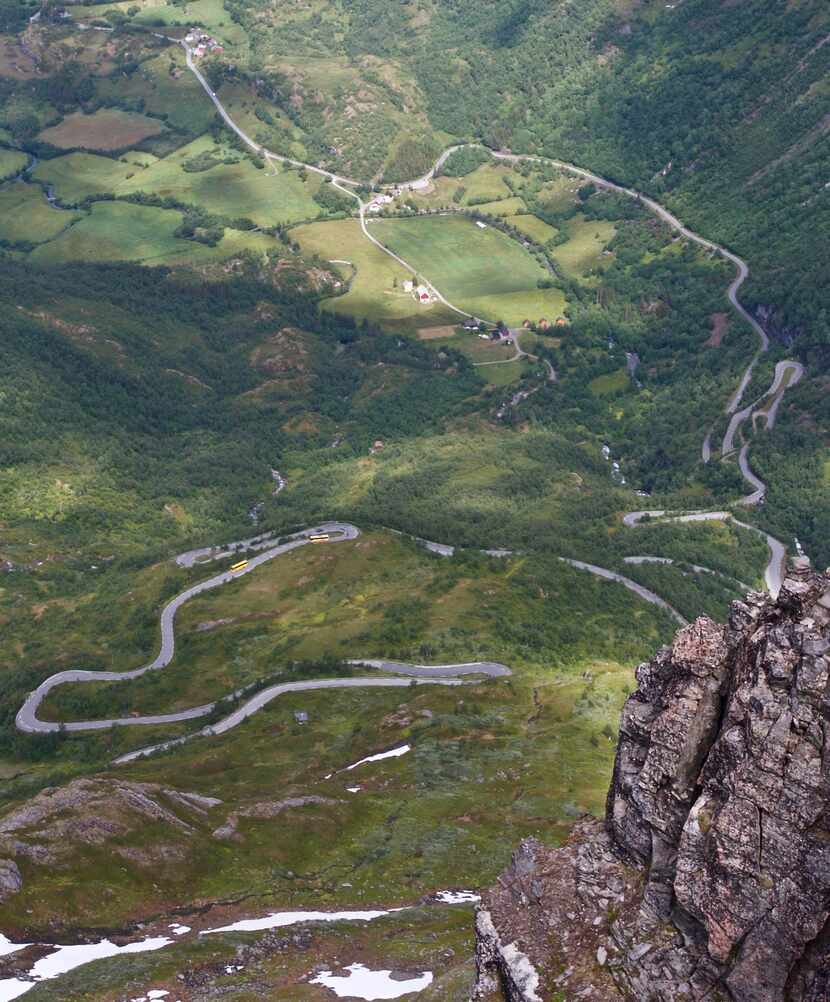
<point x="27" y="719"/>
<point x="638" y="589"/>
<point x="668" y="561"/>
<point x="776" y="566"/>
<point x="344" y="184"/>
<point x="261" y="699"/>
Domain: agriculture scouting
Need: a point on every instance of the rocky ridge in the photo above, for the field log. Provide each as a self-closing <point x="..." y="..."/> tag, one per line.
<point x="709" y="877"/>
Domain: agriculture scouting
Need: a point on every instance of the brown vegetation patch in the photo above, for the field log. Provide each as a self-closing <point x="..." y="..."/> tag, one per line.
<point x="433" y="333"/>
<point x="108" y="129"/>
<point x="720" y="325"/>
<point x="283" y="352"/>
<point x="18" y="59"/>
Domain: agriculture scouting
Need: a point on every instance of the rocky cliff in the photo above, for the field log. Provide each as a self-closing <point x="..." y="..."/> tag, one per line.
<point x="709" y="877"/>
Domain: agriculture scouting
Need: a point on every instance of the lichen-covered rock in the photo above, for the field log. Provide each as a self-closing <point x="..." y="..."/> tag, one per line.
<point x="710" y="878"/>
<point x="10" y="879"/>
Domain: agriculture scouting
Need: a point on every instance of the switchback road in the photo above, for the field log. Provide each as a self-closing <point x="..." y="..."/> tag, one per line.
<point x="254" y="553"/>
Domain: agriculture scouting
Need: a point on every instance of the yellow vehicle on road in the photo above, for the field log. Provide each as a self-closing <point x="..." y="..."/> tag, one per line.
<point x="319" y="537"/>
<point x="240" y="566"/>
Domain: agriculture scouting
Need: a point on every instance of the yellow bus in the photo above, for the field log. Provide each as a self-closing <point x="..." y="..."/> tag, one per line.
<point x="240" y="566"/>
<point x="319" y="537"/>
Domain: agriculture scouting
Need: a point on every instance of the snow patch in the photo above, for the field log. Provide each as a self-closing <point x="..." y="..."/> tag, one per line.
<point x="7" y="947"/>
<point x="458" y="897"/>
<point x="392" y="753"/>
<point x="278" y="920"/>
<point x="66" y="958"/>
<point x="362" y="983"/>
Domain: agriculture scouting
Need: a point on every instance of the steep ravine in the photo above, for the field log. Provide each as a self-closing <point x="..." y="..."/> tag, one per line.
<point x="709" y="877"/>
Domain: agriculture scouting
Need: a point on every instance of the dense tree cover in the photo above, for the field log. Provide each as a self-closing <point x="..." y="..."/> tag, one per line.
<point x="156" y="398"/>
<point x="465" y="161"/>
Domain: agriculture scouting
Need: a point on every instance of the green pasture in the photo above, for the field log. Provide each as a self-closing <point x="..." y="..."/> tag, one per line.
<point x="11" y="163"/>
<point x="120" y="231"/>
<point x="480" y="270"/>
<point x="486" y="182"/>
<point x="159" y="90"/>
<point x="26" y="216"/>
<point x="374" y="294"/>
<point x="505" y="207"/>
<point x="537" y="229"/>
<point x="75" y="176"/>
<point x="612" y="382"/>
<point x="268" y="197"/>
<point x="583" y="251"/>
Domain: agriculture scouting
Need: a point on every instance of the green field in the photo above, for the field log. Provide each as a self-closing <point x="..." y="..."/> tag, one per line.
<point x="75" y="176"/>
<point x="583" y="251"/>
<point x="480" y="270"/>
<point x="11" y="163"/>
<point x="486" y="183"/>
<point x="176" y="94"/>
<point x="120" y="231"/>
<point x="26" y="216"/>
<point x="268" y="196"/>
<point x="537" y="229"/>
<point x="505" y="207"/>
<point x="612" y="382"/>
<point x="373" y="294"/>
<point x="210" y="13"/>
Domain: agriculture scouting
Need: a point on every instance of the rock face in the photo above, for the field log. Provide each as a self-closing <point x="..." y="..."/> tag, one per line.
<point x="710" y="875"/>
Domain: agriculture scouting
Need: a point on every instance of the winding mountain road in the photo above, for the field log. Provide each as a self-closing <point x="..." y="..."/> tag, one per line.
<point x="775" y="569"/>
<point x="464" y="673"/>
<point x="638" y="589"/>
<point x="345" y="184"/>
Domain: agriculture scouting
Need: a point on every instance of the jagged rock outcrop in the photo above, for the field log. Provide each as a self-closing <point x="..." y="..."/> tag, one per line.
<point x="49" y="828"/>
<point x="710" y="875"/>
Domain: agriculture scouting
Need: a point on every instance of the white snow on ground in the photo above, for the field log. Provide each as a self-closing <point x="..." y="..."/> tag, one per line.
<point x="7" y="947"/>
<point x="277" y="920"/>
<point x="392" y="753"/>
<point x="67" y="958"/>
<point x="12" y="988"/>
<point x="361" y="983"/>
<point x="458" y="897"/>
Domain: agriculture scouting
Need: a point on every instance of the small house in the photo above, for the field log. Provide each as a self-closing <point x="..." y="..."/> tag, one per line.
<point x="408" y="285"/>
<point x="300" y="716"/>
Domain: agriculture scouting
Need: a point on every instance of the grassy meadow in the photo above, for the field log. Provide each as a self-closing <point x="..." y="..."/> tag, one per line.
<point x="11" y="163"/>
<point x="376" y="290"/>
<point x="583" y="251"/>
<point x="26" y="216"/>
<point x="479" y="270"/>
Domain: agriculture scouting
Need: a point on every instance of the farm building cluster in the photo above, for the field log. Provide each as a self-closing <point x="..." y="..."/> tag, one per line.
<point x="422" y="293"/>
<point x="201" y="43"/>
<point x="379" y="202"/>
